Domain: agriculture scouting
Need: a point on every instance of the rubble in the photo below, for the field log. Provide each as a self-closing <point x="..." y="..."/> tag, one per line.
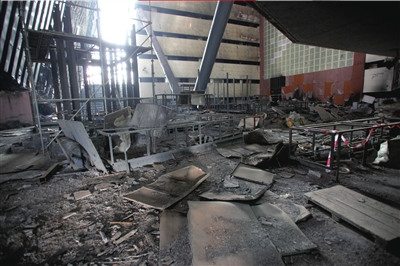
<point x="78" y="195"/>
<point x="83" y="214"/>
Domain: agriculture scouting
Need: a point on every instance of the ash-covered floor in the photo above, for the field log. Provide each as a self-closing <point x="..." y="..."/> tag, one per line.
<point x="43" y="223"/>
<point x="52" y="214"/>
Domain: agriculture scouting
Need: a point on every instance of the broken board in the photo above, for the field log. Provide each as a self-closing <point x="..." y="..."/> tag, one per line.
<point x="368" y="215"/>
<point x="283" y="232"/>
<point x="169" y="188"/>
<point x="75" y="130"/>
<point x="253" y="174"/>
<point x="225" y="233"/>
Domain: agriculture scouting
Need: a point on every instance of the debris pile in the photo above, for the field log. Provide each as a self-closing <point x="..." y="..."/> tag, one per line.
<point x="190" y="198"/>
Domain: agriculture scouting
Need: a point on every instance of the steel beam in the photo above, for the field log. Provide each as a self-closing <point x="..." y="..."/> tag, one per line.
<point x="173" y="82"/>
<point x="217" y="29"/>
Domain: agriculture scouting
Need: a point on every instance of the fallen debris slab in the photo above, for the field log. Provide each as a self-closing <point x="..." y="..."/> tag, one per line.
<point x="25" y="175"/>
<point x="266" y="157"/>
<point x="296" y="212"/>
<point x="253" y="174"/>
<point x="283" y="232"/>
<point x="225" y="233"/>
<point x="169" y="188"/>
<point x="229" y="153"/>
<point x="241" y="152"/>
<point x="323" y="114"/>
<point x="368" y="215"/>
<point x="174" y="239"/>
<point x="245" y="190"/>
<point x="17" y="162"/>
<point x="75" y="130"/>
<point x="245" y="183"/>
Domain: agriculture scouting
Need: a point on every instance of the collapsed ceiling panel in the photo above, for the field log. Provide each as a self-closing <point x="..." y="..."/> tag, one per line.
<point x="372" y="27"/>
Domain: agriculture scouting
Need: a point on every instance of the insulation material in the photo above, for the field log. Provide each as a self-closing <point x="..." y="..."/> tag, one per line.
<point x="383" y="154"/>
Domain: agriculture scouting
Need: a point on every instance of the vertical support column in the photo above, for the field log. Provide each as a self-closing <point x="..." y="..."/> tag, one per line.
<point x="112" y="78"/>
<point x="223" y="94"/>
<point x="218" y="25"/>
<point x="136" y="91"/>
<point x="56" y="84"/>
<point x="124" y="91"/>
<point x="214" y="90"/>
<point x="71" y="60"/>
<point x="129" y="85"/>
<point x="61" y="61"/>
<point x="117" y="87"/>
<point x="173" y="82"/>
<point x="87" y="92"/>
<point x="106" y="81"/>
<point x="290" y="142"/>
<point x="234" y="91"/>
<point x="218" y="93"/>
<point x="242" y="96"/>
<point x="103" y="63"/>
<point x="227" y="91"/>
<point x="31" y="80"/>
<point x="247" y="98"/>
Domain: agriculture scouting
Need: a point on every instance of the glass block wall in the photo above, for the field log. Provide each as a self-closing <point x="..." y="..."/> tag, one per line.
<point x="284" y="58"/>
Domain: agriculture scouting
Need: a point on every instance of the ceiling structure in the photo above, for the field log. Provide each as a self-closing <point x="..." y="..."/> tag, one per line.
<point x="367" y="27"/>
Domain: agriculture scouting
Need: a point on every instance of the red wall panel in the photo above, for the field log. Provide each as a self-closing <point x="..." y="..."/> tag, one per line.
<point x="340" y="83"/>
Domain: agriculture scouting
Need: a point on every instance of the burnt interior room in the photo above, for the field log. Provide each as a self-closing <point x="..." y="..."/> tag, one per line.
<point x="199" y="133"/>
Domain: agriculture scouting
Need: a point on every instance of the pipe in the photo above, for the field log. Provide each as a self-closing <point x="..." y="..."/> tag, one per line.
<point x="217" y="29"/>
